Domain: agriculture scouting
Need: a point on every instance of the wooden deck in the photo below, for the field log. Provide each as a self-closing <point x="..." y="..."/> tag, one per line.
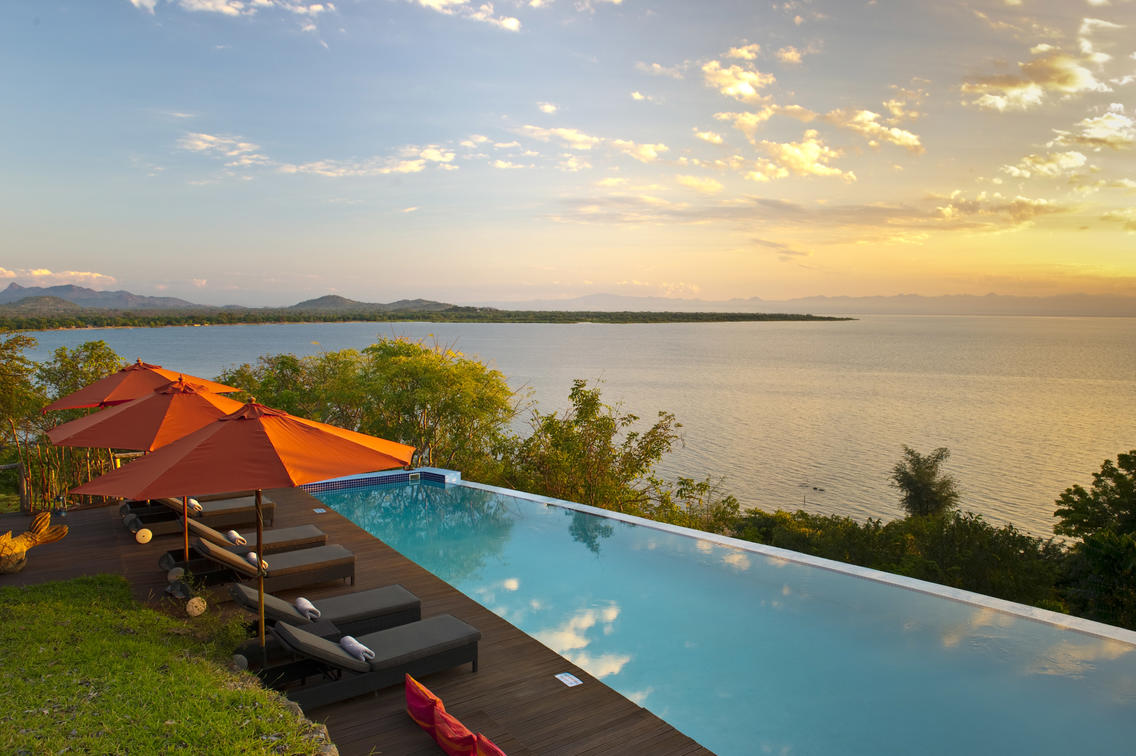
<point x="514" y="698"/>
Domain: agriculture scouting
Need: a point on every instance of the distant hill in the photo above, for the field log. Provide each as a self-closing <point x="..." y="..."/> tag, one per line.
<point x="84" y="297"/>
<point x="40" y="305"/>
<point x="904" y="304"/>
<point x="336" y="303"/>
<point x="69" y="299"/>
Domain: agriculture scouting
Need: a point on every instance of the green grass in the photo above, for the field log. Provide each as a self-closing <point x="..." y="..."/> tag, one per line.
<point x="87" y="669"/>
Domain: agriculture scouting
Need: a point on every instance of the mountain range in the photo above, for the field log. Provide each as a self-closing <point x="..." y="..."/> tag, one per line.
<point x="67" y="298"/>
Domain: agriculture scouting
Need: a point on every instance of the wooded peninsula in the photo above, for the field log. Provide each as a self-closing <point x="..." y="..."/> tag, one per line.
<point x="99" y="318"/>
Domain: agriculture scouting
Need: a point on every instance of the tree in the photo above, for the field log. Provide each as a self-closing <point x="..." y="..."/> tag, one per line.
<point x="1110" y="504"/>
<point x="587" y="454"/>
<point x="69" y="370"/>
<point x="924" y="488"/>
<point x="19" y="397"/>
<point x="276" y="380"/>
<point x="1100" y="579"/>
<point x="453" y="410"/>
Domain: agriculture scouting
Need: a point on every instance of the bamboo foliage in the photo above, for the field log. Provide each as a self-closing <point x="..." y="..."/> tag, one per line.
<point x="49" y="472"/>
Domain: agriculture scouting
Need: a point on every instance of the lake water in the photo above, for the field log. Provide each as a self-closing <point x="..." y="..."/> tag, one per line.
<point x="791" y="414"/>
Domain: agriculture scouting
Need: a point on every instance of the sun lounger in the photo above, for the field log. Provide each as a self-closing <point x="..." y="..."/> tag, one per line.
<point x="352" y="613"/>
<point x="164" y="516"/>
<point x="286" y="569"/>
<point x="275" y="540"/>
<point x="417" y="648"/>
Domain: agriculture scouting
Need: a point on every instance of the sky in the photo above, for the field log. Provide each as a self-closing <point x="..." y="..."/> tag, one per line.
<point x="262" y="152"/>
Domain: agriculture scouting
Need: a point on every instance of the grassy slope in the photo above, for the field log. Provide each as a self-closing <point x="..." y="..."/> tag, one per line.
<point x="87" y="669"/>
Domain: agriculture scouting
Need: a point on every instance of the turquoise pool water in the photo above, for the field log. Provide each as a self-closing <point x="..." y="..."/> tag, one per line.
<point x="749" y="653"/>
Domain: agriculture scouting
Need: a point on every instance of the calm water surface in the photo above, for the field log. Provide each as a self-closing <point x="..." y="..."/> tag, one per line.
<point x="792" y="415"/>
<point x="749" y="653"/>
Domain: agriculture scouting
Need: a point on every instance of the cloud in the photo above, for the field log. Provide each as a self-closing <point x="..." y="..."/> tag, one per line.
<point x="572" y="138"/>
<point x="572" y="634"/>
<point x="746" y="52"/>
<point x="1113" y="129"/>
<point x="747" y="122"/>
<point x="1051" y="72"/>
<point x="1018" y="210"/>
<point x="146" y="5"/>
<point x="355" y="169"/>
<point x="809" y="157"/>
<point x="469" y="10"/>
<point x="699" y="184"/>
<point x="578" y="140"/>
<point x="1051" y="165"/>
<point x="572" y="163"/>
<point x="1089" y="27"/>
<point x="869" y="221"/>
<point x="867" y="123"/>
<point x="45" y="277"/>
<point x="790" y="55"/>
<point x="902" y="106"/>
<point x="1126" y="218"/>
<point x="785" y="253"/>
<point x="436" y="155"/>
<point x="656" y="69"/>
<point x="711" y="137"/>
<point x="224" y="7"/>
<point x="505" y="165"/>
<point x="588" y="6"/>
<point x="644" y="153"/>
<point x="640" y="97"/>
<point x="241" y="153"/>
<point x="547" y="107"/>
<point x="737" y="82"/>
<point x="604" y="665"/>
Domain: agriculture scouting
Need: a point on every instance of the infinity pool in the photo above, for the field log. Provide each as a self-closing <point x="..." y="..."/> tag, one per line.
<point x="750" y="652"/>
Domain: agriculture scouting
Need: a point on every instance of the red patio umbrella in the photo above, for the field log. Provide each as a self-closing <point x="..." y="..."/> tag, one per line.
<point x="129" y="383"/>
<point x="255" y="447"/>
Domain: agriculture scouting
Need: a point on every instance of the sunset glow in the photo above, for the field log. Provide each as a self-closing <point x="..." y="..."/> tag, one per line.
<point x="267" y="151"/>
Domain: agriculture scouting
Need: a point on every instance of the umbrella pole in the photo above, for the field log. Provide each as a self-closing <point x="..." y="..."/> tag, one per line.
<point x="185" y="524"/>
<point x="260" y="576"/>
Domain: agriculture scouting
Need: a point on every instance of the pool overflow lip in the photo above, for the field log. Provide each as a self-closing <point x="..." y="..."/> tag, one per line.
<point x="452" y="477"/>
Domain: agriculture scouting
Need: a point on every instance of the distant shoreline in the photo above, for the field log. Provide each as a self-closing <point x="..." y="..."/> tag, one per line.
<point x="92" y="320"/>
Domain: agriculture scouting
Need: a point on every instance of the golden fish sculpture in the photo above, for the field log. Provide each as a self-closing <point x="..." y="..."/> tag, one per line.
<point x="13" y="551"/>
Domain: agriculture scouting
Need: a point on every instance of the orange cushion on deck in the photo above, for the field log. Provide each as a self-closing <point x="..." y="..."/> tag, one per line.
<point x="483" y="746"/>
<point x="454" y="737"/>
<point x="421" y="703"/>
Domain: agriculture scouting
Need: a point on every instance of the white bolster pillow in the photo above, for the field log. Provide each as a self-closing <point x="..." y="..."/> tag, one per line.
<point x="307" y="608"/>
<point x="356" y="649"/>
<point x="252" y="559"/>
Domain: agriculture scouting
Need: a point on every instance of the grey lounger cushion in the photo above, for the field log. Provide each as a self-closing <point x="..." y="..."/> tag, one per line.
<point x="287" y="569"/>
<point x="276" y="539"/>
<point x="349" y="609"/>
<point x="394" y="647"/>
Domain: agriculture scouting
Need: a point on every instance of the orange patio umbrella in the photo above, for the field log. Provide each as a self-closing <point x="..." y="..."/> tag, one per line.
<point x="129" y="383"/>
<point x="148" y="422"/>
<point x="255" y="447"/>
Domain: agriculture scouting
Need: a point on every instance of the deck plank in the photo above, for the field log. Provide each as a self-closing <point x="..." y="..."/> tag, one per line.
<point x="513" y="696"/>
